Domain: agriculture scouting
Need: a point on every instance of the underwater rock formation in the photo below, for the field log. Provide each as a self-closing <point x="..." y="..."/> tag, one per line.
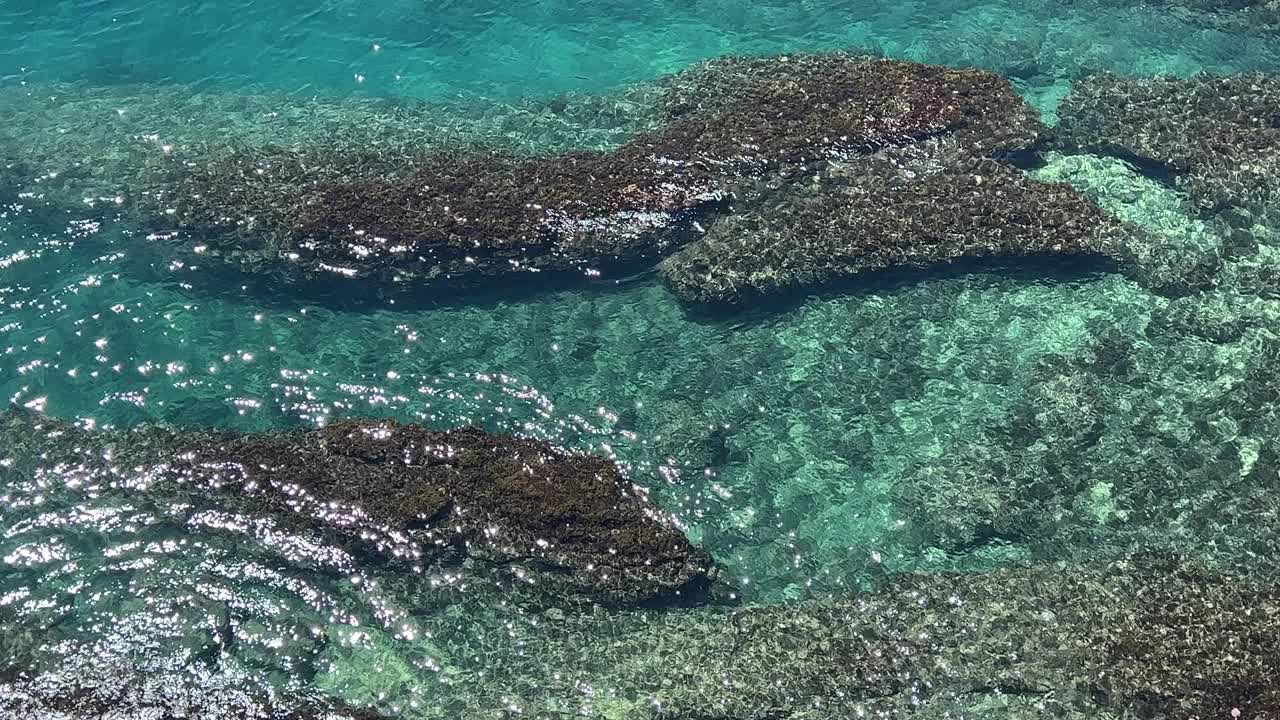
<point x="1140" y="636"/>
<point x="1154" y="635"/>
<point x="468" y="212"/>
<point x="809" y="107"/>
<point x="111" y="691"/>
<point x="1216" y="136"/>
<point x="927" y="204"/>
<point x="561" y="524"/>
<point x="381" y="199"/>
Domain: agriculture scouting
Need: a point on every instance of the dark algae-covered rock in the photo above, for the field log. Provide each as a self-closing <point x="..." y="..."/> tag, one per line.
<point x="922" y="206"/>
<point x="115" y="690"/>
<point x="1152" y="635"/>
<point x="440" y="215"/>
<point x="359" y="191"/>
<point x="563" y="524"/>
<point x="809" y="107"/>
<point x="1136" y="636"/>
<point x="467" y="212"/>
<point x="1216" y="136"/>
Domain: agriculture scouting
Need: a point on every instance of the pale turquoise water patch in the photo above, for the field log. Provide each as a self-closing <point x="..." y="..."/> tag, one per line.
<point x="407" y="47"/>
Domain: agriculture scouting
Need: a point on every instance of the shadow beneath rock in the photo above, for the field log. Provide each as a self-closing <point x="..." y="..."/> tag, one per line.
<point x="1030" y="270"/>
<point x="270" y="290"/>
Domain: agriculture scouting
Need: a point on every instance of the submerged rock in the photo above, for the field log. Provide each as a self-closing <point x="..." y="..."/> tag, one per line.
<point x="391" y="203"/>
<point x="1217" y="137"/>
<point x="1139" y="636"/>
<point x="809" y="107"/>
<point x="467" y="212"/>
<point x="925" y="205"/>
<point x="444" y="215"/>
<point x="563" y="524"/>
<point x="118" y="691"/>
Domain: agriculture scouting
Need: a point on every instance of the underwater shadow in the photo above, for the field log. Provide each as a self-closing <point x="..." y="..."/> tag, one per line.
<point x="273" y="291"/>
<point x="1029" y="270"/>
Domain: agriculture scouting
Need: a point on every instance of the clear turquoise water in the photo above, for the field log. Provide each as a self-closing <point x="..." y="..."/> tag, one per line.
<point x="777" y="434"/>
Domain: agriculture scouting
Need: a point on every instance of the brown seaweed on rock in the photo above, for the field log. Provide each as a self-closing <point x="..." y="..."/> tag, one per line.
<point x="566" y="525"/>
<point x="925" y="205"/>
<point x="115" y="690"/>
<point x="1137" y="636"/>
<point x="317" y="210"/>
<point x="808" y="107"/>
<point x="1217" y="136"/>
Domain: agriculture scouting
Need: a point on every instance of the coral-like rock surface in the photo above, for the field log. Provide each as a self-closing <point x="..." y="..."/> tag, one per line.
<point x="926" y="205"/>
<point x="392" y="204"/>
<point x="1216" y="136"/>
<point x="1139" y="636"/>
<point x="567" y="525"/>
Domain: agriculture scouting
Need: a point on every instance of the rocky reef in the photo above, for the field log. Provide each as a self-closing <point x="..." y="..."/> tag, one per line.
<point x="395" y="206"/>
<point x="922" y="205"/>
<point x="563" y="525"/>
<point x="1214" y="136"/>
<point x="405" y="217"/>
<point x="114" y="690"/>
<point x="1141" y="636"/>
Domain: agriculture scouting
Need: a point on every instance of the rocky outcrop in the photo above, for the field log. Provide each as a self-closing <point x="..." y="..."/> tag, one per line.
<point x="466" y="212"/>
<point x="360" y="191"/>
<point x="1215" y="137"/>
<point x="1153" y="635"/>
<point x="1139" y="636"/>
<point x="925" y="205"/>
<point x="562" y="524"/>
<point x="116" y="690"/>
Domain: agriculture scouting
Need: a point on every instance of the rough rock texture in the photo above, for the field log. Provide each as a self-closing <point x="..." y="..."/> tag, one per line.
<point x="333" y="203"/>
<point x="1143" y="636"/>
<point x="1152" y="635"/>
<point x="1217" y="136"/>
<point x="929" y="204"/>
<point x="813" y="106"/>
<point x="568" y="525"/>
<point x="117" y="691"/>
<point x="448" y="213"/>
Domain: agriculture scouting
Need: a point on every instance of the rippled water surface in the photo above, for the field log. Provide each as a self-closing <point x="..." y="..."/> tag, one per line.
<point x="786" y="437"/>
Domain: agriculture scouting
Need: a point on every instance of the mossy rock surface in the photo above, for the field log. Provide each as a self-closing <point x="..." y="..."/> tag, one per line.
<point x="347" y="191"/>
<point x="1215" y="137"/>
<point x="567" y="525"/>
<point x="926" y="205"/>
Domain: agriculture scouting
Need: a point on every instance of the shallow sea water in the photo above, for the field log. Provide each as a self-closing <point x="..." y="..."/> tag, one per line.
<point x="776" y="434"/>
